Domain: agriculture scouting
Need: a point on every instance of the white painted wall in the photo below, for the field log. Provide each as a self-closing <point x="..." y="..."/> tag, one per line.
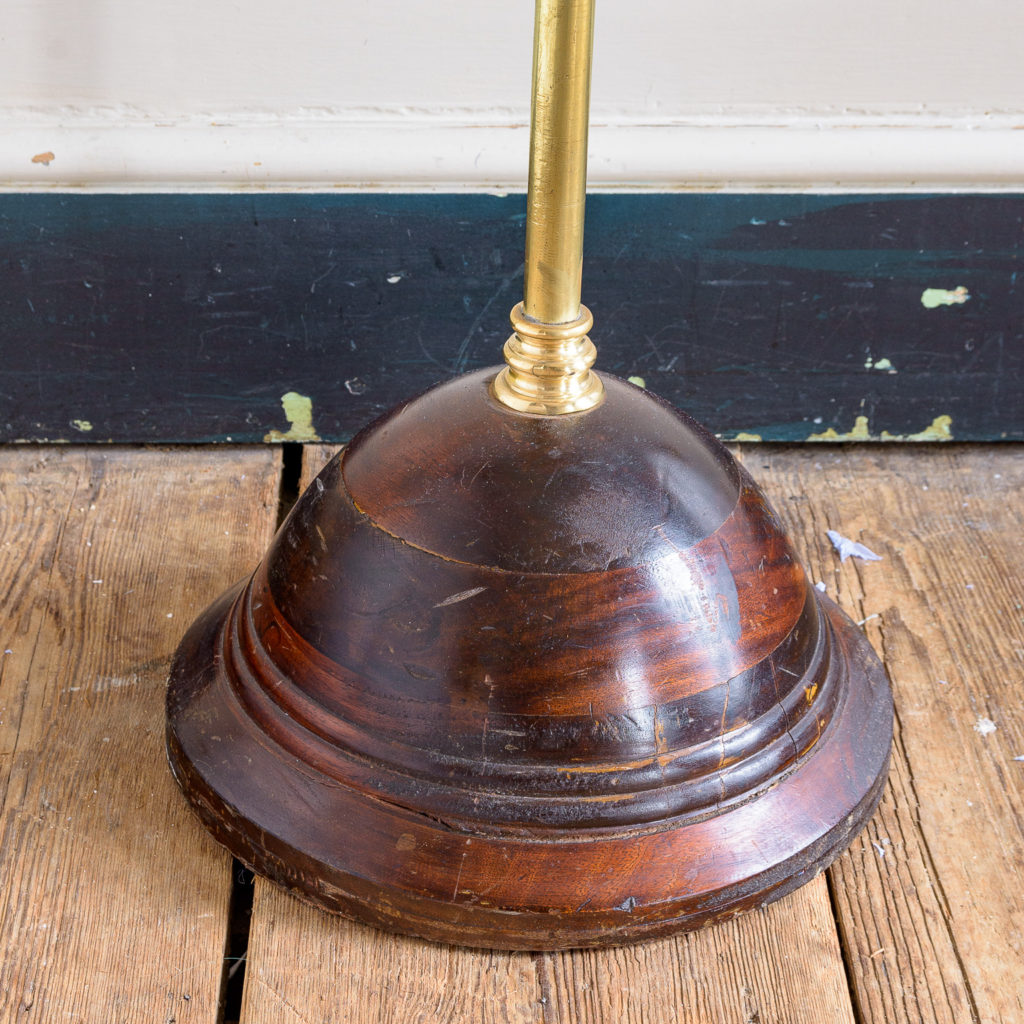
<point x="738" y="93"/>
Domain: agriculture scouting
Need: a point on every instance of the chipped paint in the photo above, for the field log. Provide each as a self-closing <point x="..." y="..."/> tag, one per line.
<point x="83" y="425"/>
<point x="298" y="410"/>
<point x="859" y="432"/>
<point x="940" y="429"/>
<point x="744" y="436"/>
<point x="638" y="381"/>
<point x="879" y="364"/>
<point x="932" y="298"/>
<point x="43" y="158"/>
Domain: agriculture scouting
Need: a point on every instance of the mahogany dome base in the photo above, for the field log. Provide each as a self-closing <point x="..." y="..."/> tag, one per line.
<point x="523" y="683"/>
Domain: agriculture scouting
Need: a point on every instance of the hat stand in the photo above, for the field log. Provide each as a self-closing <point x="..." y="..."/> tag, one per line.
<point x="532" y="664"/>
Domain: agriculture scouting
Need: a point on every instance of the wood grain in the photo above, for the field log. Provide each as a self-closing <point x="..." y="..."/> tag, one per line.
<point x="929" y="899"/>
<point x="780" y="964"/>
<point x="114" y="901"/>
<point x="314" y="458"/>
<point x="564" y="685"/>
<point x="310" y="967"/>
<point x="931" y="930"/>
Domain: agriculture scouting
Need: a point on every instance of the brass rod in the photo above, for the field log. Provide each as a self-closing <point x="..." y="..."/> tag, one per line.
<point x="559" y="116"/>
<point x="549" y="356"/>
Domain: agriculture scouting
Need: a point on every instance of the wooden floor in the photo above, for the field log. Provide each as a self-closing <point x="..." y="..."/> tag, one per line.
<point x="116" y="907"/>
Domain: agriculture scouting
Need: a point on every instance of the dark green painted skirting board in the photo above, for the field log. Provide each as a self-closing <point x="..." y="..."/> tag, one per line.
<point x="175" y="318"/>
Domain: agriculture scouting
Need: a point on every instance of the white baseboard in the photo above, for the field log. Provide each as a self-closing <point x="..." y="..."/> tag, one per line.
<point x="398" y="154"/>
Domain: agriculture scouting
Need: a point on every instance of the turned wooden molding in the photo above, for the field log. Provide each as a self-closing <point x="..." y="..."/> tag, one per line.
<point x="447" y="705"/>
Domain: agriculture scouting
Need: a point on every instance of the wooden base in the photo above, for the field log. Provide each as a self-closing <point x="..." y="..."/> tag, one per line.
<point x="531" y="683"/>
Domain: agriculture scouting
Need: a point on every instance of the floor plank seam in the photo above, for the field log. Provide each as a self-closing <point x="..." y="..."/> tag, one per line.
<point x="236" y="946"/>
<point x="846" y="952"/>
<point x="291" y="475"/>
<point x="240" y="907"/>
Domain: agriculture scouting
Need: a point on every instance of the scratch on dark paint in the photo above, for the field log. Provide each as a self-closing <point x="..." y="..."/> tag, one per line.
<point x="430" y="358"/>
<point x="654" y="347"/>
<point x="739" y="282"/>
<point x="312" y="286"/>
<point x="462" y="355"/>
<point x="238" y="291"/>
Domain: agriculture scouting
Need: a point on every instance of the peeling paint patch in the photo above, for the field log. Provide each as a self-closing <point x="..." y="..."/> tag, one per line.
<point x="298" y="410"/>
<point x="940" y="429"/>
<point x="43" y="158"/>
<point x="83" y="425"/>
<point x="932" y="298"/>
<point x="883" y="364"/>
<point x="937" y="430"/>
<point x="638" y="381"/>
<point x="859" y="432"/>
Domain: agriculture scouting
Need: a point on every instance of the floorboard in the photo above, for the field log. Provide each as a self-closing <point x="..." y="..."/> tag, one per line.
<point x="114" y="903"/>
<point x="115" y="906"/>
<point x="930" y="899"/>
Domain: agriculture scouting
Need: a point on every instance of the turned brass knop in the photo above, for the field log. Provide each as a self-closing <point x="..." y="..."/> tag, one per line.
<point x="548" y="369"/>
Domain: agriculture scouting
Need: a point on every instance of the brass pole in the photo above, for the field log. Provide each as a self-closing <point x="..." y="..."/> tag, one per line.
<point x="549" y="356"/>
<point x="562" y="47"/>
